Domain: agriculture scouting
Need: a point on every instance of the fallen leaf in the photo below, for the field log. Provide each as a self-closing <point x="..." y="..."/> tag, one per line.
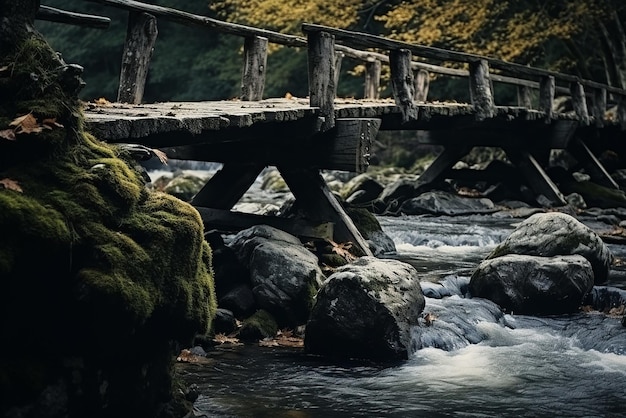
<point x="288" y="96"/>
<point x="8" y="134"/>
<point x="11" y="185"/>
<point x="51" y="123"/>
<point x="26" y="124"/>
<point x="226" y="339"/>
<point x="102" y="102"/>
<point x="160" y="155"/>
<point x="186" y="356"/>
<point x="343" y="249"/>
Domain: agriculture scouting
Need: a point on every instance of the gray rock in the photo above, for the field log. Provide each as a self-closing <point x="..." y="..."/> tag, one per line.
<point x="365" y="310"/>
<point x="444" y="203"/>
<point x="534" y="285"/>
<point x="554" y="233"/>
<point x="239" y="300"/>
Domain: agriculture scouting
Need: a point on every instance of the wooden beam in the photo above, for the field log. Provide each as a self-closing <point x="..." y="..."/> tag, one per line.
<point x="442" y="164"/>
<point x="321" y="64"/>
<point x="254" y="68"/>
<point x="402" y="83"/>
<point x="140" y="39"/>
<point x="231" y="221"/>
<point x="227" y="186"/>
<point x="546" y="97"/>
<point x="592" y="165"/>
<point x="372" y="79"/>
<point x="535" y="176"/>
<point x="579" y="102"/>
<point x="599" y="106"/>
<point x="319" y="204"/>
<point x="338" y="59"/>
<point x="524" y="96"/>
<point x="52" y="14"/>
<point x="422" y="83"/>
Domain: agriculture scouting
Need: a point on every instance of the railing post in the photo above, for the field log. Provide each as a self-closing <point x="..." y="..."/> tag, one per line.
<point x="402" y="83"/>
<point x="599" y="106"/>
<point x="621" y="112"/>
<point x="254" y="65"/>
<point x="338" y="58"/>
<point x="141" y="35"/>
<point x="321" y="56"/>
<point x="372" y="79"/>
<point x="579" y="101"/>
<point x="547" y="87"/>
<point x="481" y="91"/>
<point x="422" y="83"/>
<point x="524" y="97"/>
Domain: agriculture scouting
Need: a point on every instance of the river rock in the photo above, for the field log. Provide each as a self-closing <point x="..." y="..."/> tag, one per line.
<point x="362" y="188"/>
<point x="365" y="310"/>
<point x="444" y="203"/>
<point x="554" y="233"/>
<point x="285" y="276"/>
<point x="367" y="224"/>
<point x="531" y="285"/>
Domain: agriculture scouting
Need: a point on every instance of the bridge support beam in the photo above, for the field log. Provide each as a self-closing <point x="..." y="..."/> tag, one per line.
<point x="593" y="167"/>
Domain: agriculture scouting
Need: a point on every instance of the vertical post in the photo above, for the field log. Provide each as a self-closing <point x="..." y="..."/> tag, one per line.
<point x="338" y="58"/>
<point x="481" y="92"/>
<point x="547" y="87"/>
<point x="621" y="112"/>
<point x="599" y="106"/>
<point x="422" y="83"/>
<point x="402" y="83"/>
<point x="321" y="56"/>
<point x="372" y="79"/>
<point x="141" y="35"/>
<point x="524" y="97"/>
<point x="254" y="65"/>
<point x="579" y="101"/>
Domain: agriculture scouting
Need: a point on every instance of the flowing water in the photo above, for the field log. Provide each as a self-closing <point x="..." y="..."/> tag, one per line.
<point x="472" y="362"/>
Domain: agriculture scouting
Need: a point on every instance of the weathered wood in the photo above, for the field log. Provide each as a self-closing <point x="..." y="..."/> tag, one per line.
<point x="372" y="79"/>
<point x="227" y="186"/>
<point x="402" y="83"/>
<point x="481" y="90"/>
<point x="338" y="59"/>
<point x="599" y="106"/>
<point x="621" y="112"/>
<point x="254" y="65"/>
<point x="350" y="148"/>
<point x="535" y="176"/>
<point x="443" y="163"/>
<point x="422" y="83"/>
<point x="546" y="96"/>
<point x="321" y="64"/>
<point x="52" y="14"/>
<point x="579" y="102"/>
<point x="592" y="165"/>
<point x="140" y="38"/>
<point x="319" y="203"/>
<point x="524" y="96"/>
<point x="232" y="221"/>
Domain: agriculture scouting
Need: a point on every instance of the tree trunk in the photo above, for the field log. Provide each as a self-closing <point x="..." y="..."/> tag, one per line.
<point x="16" y="21"/>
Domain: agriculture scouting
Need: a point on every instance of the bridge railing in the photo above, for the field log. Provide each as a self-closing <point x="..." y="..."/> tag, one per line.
<point x="326" y="46"/>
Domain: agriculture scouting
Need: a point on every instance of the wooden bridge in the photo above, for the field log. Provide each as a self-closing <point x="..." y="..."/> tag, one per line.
<point x="302" y="136"/>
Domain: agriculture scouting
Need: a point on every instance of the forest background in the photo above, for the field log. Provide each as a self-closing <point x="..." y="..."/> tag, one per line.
<point x="192" y="63"/>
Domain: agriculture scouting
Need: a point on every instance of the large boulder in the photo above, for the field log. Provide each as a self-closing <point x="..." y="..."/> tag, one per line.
<point x="285" y="276"/>
<point x="528" y="284"/>
<point x="554" y="233"/>
<point x="445" y="203"/>
<point x="365" y="310"/>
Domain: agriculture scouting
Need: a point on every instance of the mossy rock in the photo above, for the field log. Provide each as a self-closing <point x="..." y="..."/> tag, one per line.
<point x="258" y="326"/>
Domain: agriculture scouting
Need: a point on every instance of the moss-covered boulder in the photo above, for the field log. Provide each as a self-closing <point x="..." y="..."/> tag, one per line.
<point x="100" y="278"/>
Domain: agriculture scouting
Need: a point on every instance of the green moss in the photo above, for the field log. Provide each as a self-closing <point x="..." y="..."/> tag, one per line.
<point x="364" y="220"/>
<point x="258" y="326"/>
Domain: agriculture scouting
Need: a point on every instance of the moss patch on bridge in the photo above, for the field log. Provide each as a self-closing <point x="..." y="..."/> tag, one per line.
<point x="99" y="276"/>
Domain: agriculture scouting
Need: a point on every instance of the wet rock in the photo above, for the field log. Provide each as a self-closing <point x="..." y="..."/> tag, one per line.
<point x="228" y="271"/>
<point x="361" y="189"/>
<point x="398" y="191"/>
<point x="224" y="322"/>
<point x="367" y="224"/>
<point x="184" y="185"/>
<point x="258" y="326"/>
<point x="534" y="285"/>
<point x="239" y="300"/>
<point x="554" y="233"/>
<point x="444" y="203"/>
<point x="285" y="276"/>
<point x="365" y="310"/>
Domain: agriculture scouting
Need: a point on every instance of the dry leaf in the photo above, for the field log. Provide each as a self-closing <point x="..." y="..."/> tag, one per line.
<point x="8" y="134"/>
<point x="102" y="102"/>
<point x="343" y="250"/>
<point x="226" y="339"/>
<point x="11" y="185"/>
<point x="288" y="96"/>
<point x="51" y="123"/>
<point x="186" y="356"/>
<point x="26" y="124"/>
<point x="160" y="155"/>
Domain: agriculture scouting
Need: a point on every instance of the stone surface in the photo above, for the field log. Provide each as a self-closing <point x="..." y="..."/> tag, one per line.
<point x="444" y="203"/>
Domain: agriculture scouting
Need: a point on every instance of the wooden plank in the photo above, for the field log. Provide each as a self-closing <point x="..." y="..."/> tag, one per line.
<point x="422" y="83"/>
<point x="52" y="14"/>
<point x="372" y="79"/>
<point x="254" y="66"/>
<point x="338" y="59"/>
<point x="140" y="39"/>
<point x="592" y="165"/>
<point x="441" y="166"/>
<point x="231" y="221"/>
<point x="546" y="97"/>
<point x="402" y="83"/>
<point x="227" y="186"/>
<point x="319" y="204"/>
<point x="599" y="106"/>
<point x="524" y="96"/>
<point x="321" y="64"/>
<point x="534" y="174"/>
<point x="481" y="90"/>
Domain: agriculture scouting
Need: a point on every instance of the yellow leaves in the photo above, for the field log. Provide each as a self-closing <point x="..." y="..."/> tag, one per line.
<point x="283" y="338"/>
<point x="226" y="339"/>
<point x="343" y="249"/>
<point x="28" y="124"/>
<point x="10" y="184"/>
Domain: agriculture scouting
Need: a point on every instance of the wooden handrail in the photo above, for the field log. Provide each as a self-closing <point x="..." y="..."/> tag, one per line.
<point x="365" y="40"/>
<point x="52" y="14"/>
